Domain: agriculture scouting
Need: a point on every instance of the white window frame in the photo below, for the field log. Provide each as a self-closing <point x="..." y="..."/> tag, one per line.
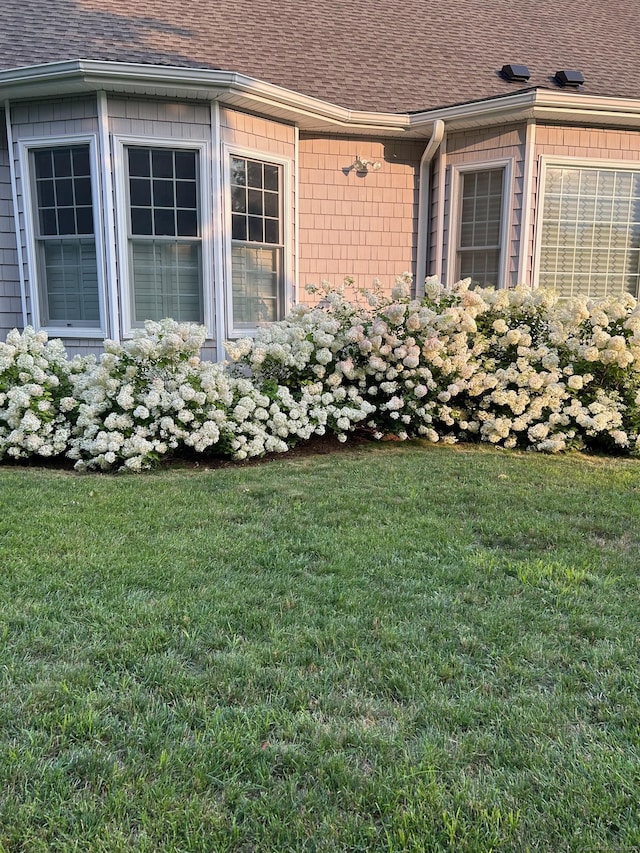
<point x="457" y="170"/>
<point x="121" y="143"/>
<point x="25" y="147"/>
<point x="549" y="160"/>
<point x="229" y="151"/>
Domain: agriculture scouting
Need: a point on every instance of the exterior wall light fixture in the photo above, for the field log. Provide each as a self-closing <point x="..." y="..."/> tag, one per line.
<point x="361" y="166"/>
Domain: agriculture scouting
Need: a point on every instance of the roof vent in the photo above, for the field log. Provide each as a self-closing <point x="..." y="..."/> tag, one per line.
<point x="515" y="73"/>
<point x="572" y="79"/>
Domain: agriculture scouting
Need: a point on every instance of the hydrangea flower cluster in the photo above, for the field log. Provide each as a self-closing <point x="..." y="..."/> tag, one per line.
<point x="516" y="368"/>
<point x="36" y="398"/>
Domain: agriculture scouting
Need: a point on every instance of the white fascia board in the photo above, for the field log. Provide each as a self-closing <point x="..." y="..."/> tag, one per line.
<point x="308" y="113"/>
<point x="540" y="105"/>
<point x="84" y="76"/>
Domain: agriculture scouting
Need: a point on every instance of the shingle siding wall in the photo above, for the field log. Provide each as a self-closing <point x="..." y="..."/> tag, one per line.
<point x="10" y="303"/>
<point x="365" y="227"/>
<point x="479" y="146"/>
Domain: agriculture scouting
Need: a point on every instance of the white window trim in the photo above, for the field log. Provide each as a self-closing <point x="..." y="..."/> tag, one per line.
<point x="121" y="142"/>
<point x="549" y="160"/>
<point x="25" y="147"/>
<point x="457" y="170"/>
<point x="228" y="151"/>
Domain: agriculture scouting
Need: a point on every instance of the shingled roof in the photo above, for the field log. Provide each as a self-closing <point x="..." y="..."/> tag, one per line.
<point x="406" y="55"/>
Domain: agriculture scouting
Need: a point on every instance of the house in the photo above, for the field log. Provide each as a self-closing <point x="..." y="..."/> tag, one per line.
<point x="204" y="159"/>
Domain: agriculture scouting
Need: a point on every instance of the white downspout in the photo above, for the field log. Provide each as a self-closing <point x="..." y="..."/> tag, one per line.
<point x="424" y="204"/>
<point x="16" y="215"/>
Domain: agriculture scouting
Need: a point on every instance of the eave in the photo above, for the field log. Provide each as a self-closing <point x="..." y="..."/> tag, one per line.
<point x="312" y="115"/>
<point x="309" y="114"/>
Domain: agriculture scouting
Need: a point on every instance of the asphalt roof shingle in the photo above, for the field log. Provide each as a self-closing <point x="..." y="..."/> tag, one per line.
<point x="391" y="56"/>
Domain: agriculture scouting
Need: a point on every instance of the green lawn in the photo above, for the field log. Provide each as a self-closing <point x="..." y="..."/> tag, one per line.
<point x="393" y="648"/>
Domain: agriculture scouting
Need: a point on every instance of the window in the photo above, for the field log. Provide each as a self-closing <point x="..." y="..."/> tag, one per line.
<point x="68" y="289"/>
<point x="257" y="242"/>
<point x="165" y="240"/>
<point x="480" y="226"/>
<point x="589" y="239"/>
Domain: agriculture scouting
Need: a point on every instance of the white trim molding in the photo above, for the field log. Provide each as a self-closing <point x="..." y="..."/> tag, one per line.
<point x="108" y="202"/>
<point x="207" y="226"/>
<point x="16" y="214"/>
<point x="286" y="202"/>
<point x="546" y="161"/>
<point x="25" y="147"/>
<point x="455" y="201"/>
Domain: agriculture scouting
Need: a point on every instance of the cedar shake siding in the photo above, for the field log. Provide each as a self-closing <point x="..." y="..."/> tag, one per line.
<point x="364" y="226"/>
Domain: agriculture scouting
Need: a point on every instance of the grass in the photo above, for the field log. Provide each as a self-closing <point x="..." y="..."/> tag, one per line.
<point x="394" y="648"/>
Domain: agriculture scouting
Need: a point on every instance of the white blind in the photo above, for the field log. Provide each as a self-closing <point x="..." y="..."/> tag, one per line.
<point x="166" y="280"/>
<point x="590" y="241"/>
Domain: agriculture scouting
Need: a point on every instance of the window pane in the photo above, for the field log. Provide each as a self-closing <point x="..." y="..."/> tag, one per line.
<point x="255" y="202"/>
<point x="81" y="161"/>
<point x="256" y="231"/>
<point x="238" y="227"/>
<point x="84" y="220"/>
<point x="271" y="177"/>
<point x="64" y="193"/>
<point x="167" y="281"/>
<point x="186" y="194"/>
<point x="256" y="283"/>
<point x="480" y="226"/>
<point x="186" y="164"/>
<point x="140" y="192"/>
<point x="256" y="218"/>
<point x="69" y="277"/>
<point x="238" y="200"/>
<point x="46" y="193"/>
<point x="187" y="222"/>
<point x="238" y="171"/>
<point x="61" y="162"/>
<point x="48" y="222"/>
<point x="139" y="162"/>
<point x="271" y="204"/>
<point x="82" y="189"/>
<point x="163" y="194"/>
<point x="254" y="174"/>
<point x="141" y="221"/>
<point x="66" y="221"/>
<point x="271" y="231"/>
<point x="162" y="163"/>
<point x="164" y="222"/>
<point x="166" y="274"/>
<point x="43" y="162"/>
<point x="593" y="250"/>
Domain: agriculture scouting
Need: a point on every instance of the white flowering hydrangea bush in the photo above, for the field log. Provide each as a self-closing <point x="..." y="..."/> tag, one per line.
<point x="146" y="398"/>
<point x="36" y="397"/>
<point x="512" y="367"/>
<point x="516" y="368"/>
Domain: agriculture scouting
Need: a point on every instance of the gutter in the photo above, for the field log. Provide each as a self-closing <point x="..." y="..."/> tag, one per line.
<point x="87" y="76"/>
<point x="424" y="206"/>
